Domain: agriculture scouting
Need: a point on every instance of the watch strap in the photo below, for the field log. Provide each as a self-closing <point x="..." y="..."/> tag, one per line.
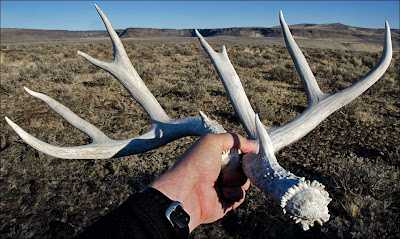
<point x="172" y="211"/>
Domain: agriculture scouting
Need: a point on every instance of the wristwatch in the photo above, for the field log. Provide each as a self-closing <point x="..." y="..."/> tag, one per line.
<point x="173" y="212"/>
<point x="176" y="215"/>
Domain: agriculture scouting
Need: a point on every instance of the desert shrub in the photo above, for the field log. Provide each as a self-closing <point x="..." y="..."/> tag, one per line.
<point x="45" y="67"/>
<point x="34" y="58"/>
<point x="167" y="52"/>
<point x="147" y="55"/>
<point x="356" y="61"/>
<point x="370" y="59"/>
<point x="284" y="73"/>
<point x="4" y="68"/>
<point x="199" y="71"/>
<point x="184" y="50"/>
<point x="249" y="61"/>
<point x="74" y="65"/>
<point x="61" y="76"/>
<point x="101" y="79"/>
<point x="4" y="89"/>
<point x="21" y="76"/>
<point x="14" y="55"/>
<point x="364" y="193"/>
<point x="267" y="55"/>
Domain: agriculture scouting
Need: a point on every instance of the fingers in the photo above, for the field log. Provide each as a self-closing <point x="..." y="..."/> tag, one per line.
<point x="234" y="186"/>
<point x="246" y="186"/>
<point x="231" y="140"/>
<point x="244" y="144"/>
<point x="234" y="194"/>
<point x="237" y="204"/>
<point x="234" y="179"/>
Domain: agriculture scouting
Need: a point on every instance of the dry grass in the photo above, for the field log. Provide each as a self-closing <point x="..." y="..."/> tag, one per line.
<point x="355" y="152"/>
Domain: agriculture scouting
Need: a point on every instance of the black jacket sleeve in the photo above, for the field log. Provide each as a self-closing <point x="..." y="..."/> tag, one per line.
<point x="142" y="215"/>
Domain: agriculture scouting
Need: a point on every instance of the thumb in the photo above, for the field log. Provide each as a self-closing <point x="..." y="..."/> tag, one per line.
<point x="232" y="140"/>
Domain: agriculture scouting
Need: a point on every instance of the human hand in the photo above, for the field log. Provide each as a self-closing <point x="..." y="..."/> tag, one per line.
<point x="196" y="180"/>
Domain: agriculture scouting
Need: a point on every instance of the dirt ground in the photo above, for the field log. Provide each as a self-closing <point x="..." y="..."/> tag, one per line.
<point x="354" y="153"/>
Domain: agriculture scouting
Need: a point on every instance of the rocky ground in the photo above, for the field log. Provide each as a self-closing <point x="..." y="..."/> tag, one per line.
<point x="354" y="153"/>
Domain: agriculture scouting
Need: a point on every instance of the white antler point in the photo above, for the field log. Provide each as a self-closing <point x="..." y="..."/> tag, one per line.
<point x="281" y="18"/>
<point x="7" y="119"/>
<point x="31" y="92"/>
<point x="223" y="50"/>
<point x="387" y="25"/>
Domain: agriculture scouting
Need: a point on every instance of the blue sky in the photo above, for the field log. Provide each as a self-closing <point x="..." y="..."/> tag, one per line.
<point x="81" y="15"/>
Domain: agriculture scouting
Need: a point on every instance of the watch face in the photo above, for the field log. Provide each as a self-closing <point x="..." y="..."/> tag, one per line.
<point x="176" y="215"/>
<point x="180" y="217"/>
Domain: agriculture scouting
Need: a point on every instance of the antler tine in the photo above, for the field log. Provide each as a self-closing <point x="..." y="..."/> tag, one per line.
<point x="101" y="147"/>
<point x="232" y="84"/>
<point x="314" y="93"/>
<point x="106" y="149"/>
<point x="119" y="50"/>
<point x="123" y="70"/>
<point x="116" y="41"/>
<point x="322" y="105"/>
<point x="94" y="133"/>
<point x="357" y="88"/>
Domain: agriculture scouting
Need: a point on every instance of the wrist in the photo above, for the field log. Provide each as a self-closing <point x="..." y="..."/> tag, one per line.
<point x="165" y="212"/>
<point x="176" y="191"/>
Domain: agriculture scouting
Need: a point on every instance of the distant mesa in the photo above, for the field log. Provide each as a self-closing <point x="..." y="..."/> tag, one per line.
<point x="307" y="31"/>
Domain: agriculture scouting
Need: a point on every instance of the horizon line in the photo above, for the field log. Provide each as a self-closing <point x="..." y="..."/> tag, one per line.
<point x="277" y="26"/>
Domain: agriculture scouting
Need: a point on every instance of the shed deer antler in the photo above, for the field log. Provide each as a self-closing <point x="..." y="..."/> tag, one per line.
<point x="306" y="201"/>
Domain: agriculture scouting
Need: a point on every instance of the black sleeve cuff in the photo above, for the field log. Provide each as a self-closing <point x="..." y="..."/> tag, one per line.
<point x="142" y="215"/>
<point x="155" y="204"/>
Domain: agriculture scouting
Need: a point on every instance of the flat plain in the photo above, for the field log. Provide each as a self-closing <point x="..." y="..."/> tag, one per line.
<point x="354" y="152"/>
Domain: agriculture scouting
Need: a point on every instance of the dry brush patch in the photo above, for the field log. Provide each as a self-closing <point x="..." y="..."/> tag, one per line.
<point x="355" y="152"/>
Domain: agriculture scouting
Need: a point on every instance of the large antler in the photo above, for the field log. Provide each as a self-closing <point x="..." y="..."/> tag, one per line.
<point x="306" y="201"/>
<point x="162" y="131"/>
